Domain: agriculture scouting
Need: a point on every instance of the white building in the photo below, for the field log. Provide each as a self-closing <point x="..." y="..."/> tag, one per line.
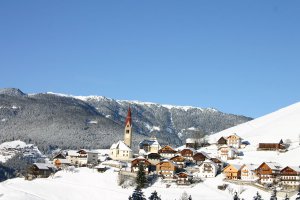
<point x="149" y="146"/>
<point x="120" y="151"/>
<point x="234" y="141"/>
<point x="82" y="157"/>
<point x="227" y="153"/>
<point x="248" y="173"/>
<point x="207" y="169"/>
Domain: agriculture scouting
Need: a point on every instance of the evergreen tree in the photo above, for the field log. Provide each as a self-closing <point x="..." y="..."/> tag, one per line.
<point x="298" y="195"/>
<point x="154" y="196"/>
<point x="235" y="197"/>
<point x="190" y="197"/>
<point x="137" y="195"/>
<point x="257" y="197"/>
<point x="274" y="194"/>
<point x="141" y="178"/>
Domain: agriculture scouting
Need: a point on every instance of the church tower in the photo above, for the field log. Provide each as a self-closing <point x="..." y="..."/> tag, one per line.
<point x="128" y="129"/>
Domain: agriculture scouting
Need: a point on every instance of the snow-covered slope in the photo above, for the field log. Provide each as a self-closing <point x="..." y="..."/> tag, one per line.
<point x="282" y="124"/>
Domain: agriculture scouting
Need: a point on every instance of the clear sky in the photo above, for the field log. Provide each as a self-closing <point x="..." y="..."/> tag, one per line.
<point x="240" y="57"/>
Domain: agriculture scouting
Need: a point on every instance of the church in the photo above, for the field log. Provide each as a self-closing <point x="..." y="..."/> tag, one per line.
<point x="122" y="149"/>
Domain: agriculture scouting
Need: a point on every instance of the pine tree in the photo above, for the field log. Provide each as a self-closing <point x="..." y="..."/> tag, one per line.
<point x="274" y="194"/>
<point x="141" y="178"/>
<point x="257" y="197"/>
<point x="137" y="195"/>
<point x="298" y="195"/>
<point x="190" y="197"/>
<point x="154" y="196"/>
<point x="235" y="197"/>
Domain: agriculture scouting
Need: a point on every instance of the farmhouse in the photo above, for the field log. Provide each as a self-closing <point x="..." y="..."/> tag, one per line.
<point x="187" y="153"/>
<point x="179" y="161"/>
<point x="82" y="157"/>
<point x="208" y="169"/>
<point x="167" y="152"/>
<point x="222" y="141"/>
<point x="227" y="153"/>
<point x="40" y="170"/>
<point x="234" y="141"/>
<point x="248" y="172"/>
<point x="276" y="146"/>
<point x="153" y="158"/>
<point x="166" y="169"/>
<point x="183" y="178"/>
<point x="267" y="172"/>
<point x="199" y="157"/>
<point x="290" y="177"/>
<point x="140" y="161"/>
<point x="232" y="172"/>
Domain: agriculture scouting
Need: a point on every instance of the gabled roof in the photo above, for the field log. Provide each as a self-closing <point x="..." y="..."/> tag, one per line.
<point x="121" y="146"/>
<point x="272" y="165"/>
<point x="167" y="149"/>
<point x="209" y="162"/>
<point x="150" y="142"/>
<point x="44" y="166"/>
<point x="251" y="167"/>
<point x="237" y="167"/>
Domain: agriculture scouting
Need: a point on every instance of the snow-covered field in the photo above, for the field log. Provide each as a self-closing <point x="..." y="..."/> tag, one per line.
<point x="89" y="184"/>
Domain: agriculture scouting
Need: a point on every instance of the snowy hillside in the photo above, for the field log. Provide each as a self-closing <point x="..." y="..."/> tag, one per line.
<point x="89" y="184"/>
<point x="282" y="124"/>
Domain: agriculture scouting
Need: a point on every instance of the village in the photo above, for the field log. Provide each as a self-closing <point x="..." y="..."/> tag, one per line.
<point x="184" y="166"/>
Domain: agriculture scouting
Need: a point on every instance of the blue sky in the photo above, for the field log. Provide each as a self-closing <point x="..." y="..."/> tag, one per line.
<point x="240" y="57"/>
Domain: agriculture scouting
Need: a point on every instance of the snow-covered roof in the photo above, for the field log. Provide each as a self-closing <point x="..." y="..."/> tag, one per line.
<point x="150" y="142"/>
<point x="251" y="167"/>
<point x="45" y="166"/>
<point x="72" y="153"/>
<point x="64" y="161"/>
<point x="210" y="162"/>
<point x="121" y="146"/>
<point x="274" y="165"/>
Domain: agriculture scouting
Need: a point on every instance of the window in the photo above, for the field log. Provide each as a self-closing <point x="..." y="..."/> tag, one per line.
<point x="127" y="131"/>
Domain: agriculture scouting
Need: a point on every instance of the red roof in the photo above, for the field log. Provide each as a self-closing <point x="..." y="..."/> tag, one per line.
<point x="128" y="118"/>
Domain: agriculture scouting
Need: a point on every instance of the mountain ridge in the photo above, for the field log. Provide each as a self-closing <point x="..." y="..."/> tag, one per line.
<point x="54" y="120"/>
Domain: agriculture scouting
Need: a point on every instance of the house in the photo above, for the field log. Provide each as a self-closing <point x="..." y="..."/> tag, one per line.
<point x="248" y="173"/>
<point x="179" y="161"/>
<point x="120" y="151"/>
<point x="227" y="153"/>
<point x="232" y="172"/>
<point x="234" y="141"/>
<point x="199" y="157"/>
<point x="101" y="168"/>
<point x="222" y="141"/>
<point x="167" y="152"/>
<point x="40" y="170"/>
<point x="219" y="162"/>
<point x="140" y="161"/>
<point x="61" y="163"/>
<point x="153" y="158"/>
<point x="276" y="146"/>
<point x="183" y="178"/>
<point x="290" y="177"/>
<point x="149" y="146"/>
<point x="166" y="169"/>
<point x="187" y="153"/>
<point x="191" y="143"/>
<point x="267" y="172"/>
<point x="82" y="157"/>
<point x="208" y="169"/>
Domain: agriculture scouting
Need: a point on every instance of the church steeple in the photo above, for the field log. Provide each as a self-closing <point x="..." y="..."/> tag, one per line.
<point x="128" y="129"/>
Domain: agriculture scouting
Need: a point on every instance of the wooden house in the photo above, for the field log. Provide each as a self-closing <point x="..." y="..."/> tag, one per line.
<point x="234" y="141"/>
<point x="248" y="173"/>
<point x="166" y="169"/>
<point x="187" y="153"/>
<point x="232" y="172"/>
<point x="140" y="161"/>
<point x="153" y="158"/>
<point x="208" y="169"/>
<point x="179" y="161"/>
<point x="183" y="178"/>
<point x="267" y="172"/>
<point x="219" y="162"/>
<point x="222" y="141"/>
<point x="199" y="157"/>
<point x="40" y="170"/>
<point x="167" y="152"/>
<point x="277" y="146"/>
<point x="290" y="177"/>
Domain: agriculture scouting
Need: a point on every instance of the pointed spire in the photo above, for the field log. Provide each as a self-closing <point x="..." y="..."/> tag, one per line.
<point x="128" y="118"/>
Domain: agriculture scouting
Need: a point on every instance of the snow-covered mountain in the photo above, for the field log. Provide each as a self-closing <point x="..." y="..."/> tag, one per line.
<point x="53" y="120"/>
<point x="282" y="124"/>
